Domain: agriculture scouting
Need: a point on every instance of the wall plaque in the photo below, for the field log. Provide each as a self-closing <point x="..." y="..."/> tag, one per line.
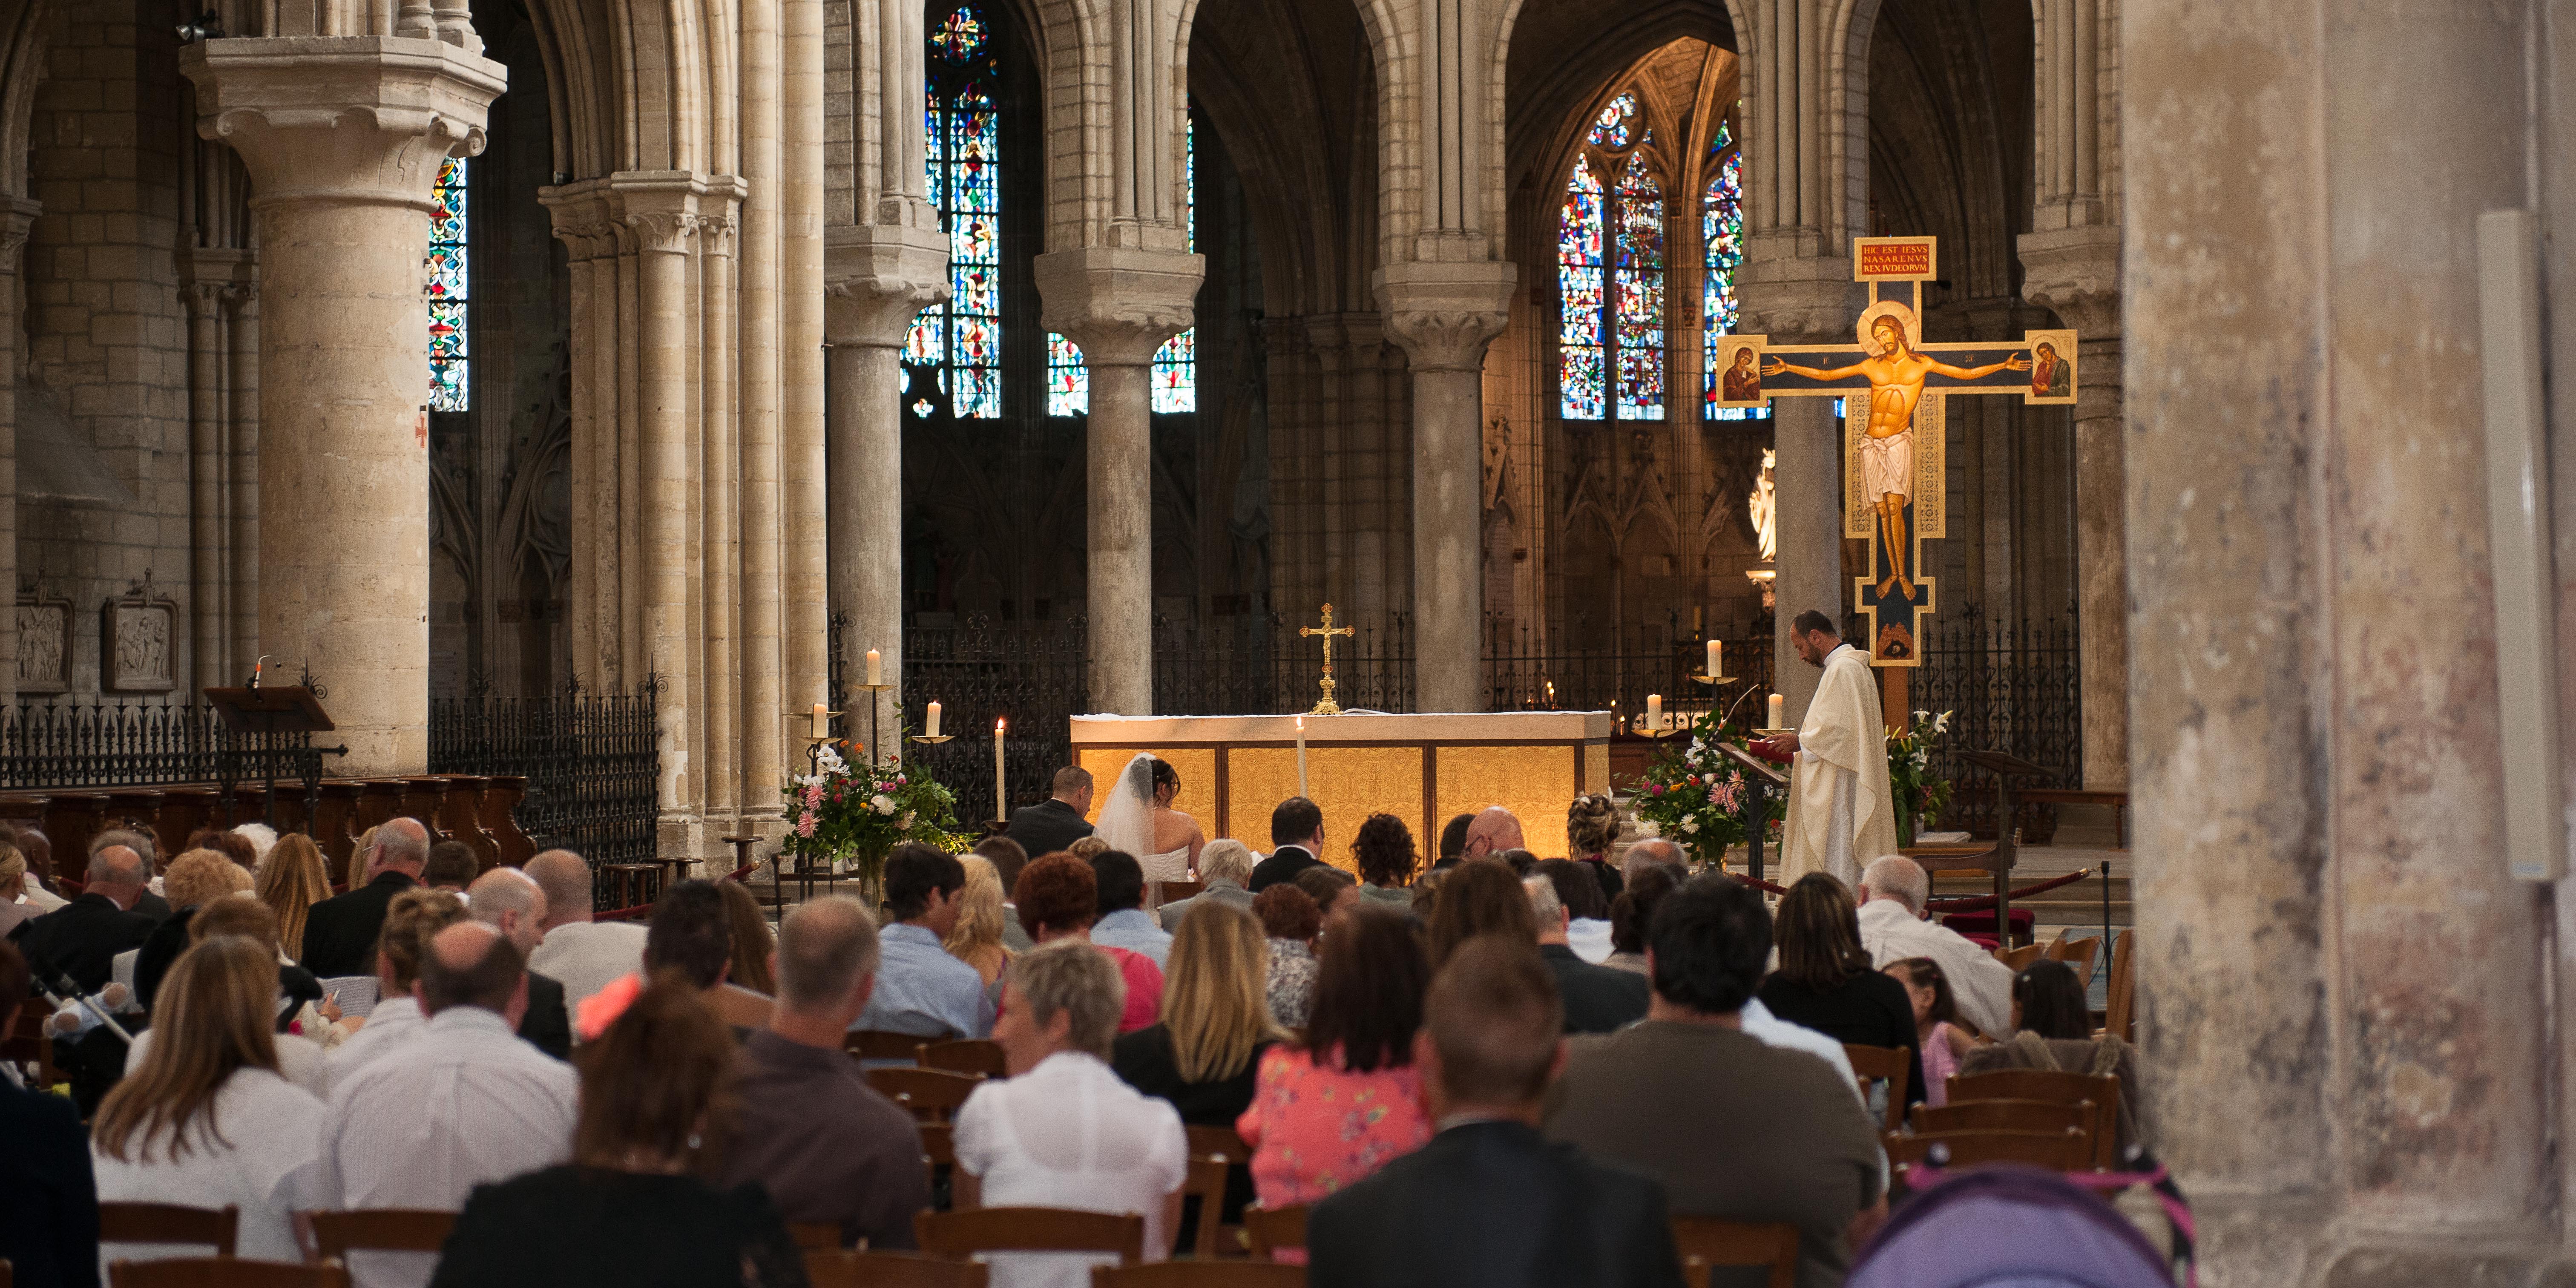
<point x="137" y="637"/>
<point x="44" y="644"/>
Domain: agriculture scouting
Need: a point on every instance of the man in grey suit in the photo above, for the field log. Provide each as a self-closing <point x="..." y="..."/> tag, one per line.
<point x="1226" y="866"/>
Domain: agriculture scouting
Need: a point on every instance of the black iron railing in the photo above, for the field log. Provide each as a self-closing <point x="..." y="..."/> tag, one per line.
<point x="592" y="762"/>
<point x="1526" y="674"/>
<point x="142" y="744"/>
<point x="2010" y="688"/>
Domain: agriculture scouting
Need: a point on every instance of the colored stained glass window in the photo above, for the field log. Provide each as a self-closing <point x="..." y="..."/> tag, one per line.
<point x="1639" y="286"/>
<point x="1721" y="231"/>
<point x="955" y="348"/>
<point x="1068" y="382"/>
<point x="1610" y="129"/>
<point x="1176" y="365"/>
<point x="1610" y="274"/>
<point x="1582" y="378"/>
<point x="449" y="273"/>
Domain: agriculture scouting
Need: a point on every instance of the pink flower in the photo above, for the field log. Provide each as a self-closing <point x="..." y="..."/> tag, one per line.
<point x="813" y="795"/>
<point x="805" y="826"/>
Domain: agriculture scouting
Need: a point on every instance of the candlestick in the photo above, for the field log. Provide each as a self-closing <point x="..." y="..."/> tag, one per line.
<point x="1716" y="653"/>
<point x="822" y="727"/>
<point x="1654" y="711"/>
<point x="1301" y="755"/>
<point x="933" y="730"/>
<point x="1001" y="796"/>
<point x="876" y="669"/>
<point x="1778" y="706"/>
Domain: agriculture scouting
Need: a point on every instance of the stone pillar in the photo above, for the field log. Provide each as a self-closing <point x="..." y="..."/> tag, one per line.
<point x="206" y="614"/>
<point x="343" y="137"/>
<point x="241" y="358"/>
<point x="2329" y="945"/>
<point x="1802" y="299"/>
<point x="881" y="277"/>
<point x="1443" y="315"/>
<point x="804" y="459"/>
<point x="2076" y="274"/>
<point x="764" y="600"/>
<point x="1120" y="304"/>
<point x="17" y="215"/>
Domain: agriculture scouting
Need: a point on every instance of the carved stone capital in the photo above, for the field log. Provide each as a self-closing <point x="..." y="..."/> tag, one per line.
<point x="17" y="219"/>
<point x="877" y="278"/>
<point x="660" y="209"/>
<point x="1119" y="303"/>
<point x="582" y="217"/>
<point x="2075" y="273"/>
<point x="1796" y="298"/>
<point x="342" y="118"/>
<point x="1444" y="314"/>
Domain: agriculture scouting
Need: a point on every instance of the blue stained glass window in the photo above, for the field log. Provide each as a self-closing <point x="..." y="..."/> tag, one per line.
<point x="1582" y="376"/>
<point x="1721" y="231"/>
<point x="1068" y="382"/>
<point x="1176" y="365"/>
<point x="449" y="273"/>
<point x="956" y="347"/>
<point x="1610" y="272"/>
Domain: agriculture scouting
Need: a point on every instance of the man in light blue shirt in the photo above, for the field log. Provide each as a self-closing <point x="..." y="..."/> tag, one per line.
<point x="921" y="989"/>
<point x="1124" y="923"/>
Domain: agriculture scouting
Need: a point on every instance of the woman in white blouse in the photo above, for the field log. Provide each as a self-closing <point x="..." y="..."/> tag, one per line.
<point x="205" y="1120"/>
<point x="1064" y="1131"/>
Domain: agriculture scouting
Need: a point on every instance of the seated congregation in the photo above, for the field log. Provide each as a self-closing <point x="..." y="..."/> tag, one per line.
<point x="1478" y="1066"/>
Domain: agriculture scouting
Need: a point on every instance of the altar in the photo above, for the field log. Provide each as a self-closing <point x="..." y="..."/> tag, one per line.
<point x="1420" y="768"/>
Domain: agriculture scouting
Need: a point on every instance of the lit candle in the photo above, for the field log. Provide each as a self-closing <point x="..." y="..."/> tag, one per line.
<point x="1716" y="659"/>
<point x="1001" y="794"/>
<point x="876" y="669"/>
<point x="822" y="723"/>
<point x="1655" y="711"/>
<point x="934" y="720"/>
<point x="1301" y="755"/>
<point x="1778" y="704"/>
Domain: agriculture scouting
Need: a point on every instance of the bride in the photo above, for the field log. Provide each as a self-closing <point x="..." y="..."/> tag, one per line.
<point x="1139" y="819"/>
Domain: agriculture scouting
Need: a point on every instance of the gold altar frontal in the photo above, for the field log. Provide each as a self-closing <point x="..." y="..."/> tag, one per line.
<point x="1421" y="768"/>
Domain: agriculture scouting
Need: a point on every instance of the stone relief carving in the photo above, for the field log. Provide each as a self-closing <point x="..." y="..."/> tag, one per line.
<point x="44" y="644"/>
<point x="137" y="640"/>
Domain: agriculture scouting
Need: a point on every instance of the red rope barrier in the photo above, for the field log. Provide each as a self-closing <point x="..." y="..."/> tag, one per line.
<point x="624" y="914"/>
<point x="1982" y="903"/>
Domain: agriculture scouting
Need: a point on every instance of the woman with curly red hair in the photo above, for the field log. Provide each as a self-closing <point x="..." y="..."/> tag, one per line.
<point x="1058" y="898"/>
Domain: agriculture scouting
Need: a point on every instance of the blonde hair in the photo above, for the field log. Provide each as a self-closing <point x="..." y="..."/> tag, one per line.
<point x="1591" y="824"/>
<point x="200" y="877"/>
<point x="1216" y="1001"/>
<point x="210" y="1021"/>
<point x="1087" y="847"/>
<point x="13" y="863"/>
<point x="979" y="912"/>
<point x="291" y="880"/>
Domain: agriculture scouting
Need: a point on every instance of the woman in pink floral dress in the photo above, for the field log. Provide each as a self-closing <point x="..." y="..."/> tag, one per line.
<point x="1347" y="1101"/>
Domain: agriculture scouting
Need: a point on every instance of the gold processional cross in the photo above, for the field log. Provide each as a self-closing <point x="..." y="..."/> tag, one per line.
<point x="1327" y="707"/>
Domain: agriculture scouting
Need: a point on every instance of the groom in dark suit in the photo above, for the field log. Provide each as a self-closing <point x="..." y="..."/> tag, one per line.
<point x="340" y="932"/>
<point x="1490" y="1203"/>
<point x="1056" y="822"/>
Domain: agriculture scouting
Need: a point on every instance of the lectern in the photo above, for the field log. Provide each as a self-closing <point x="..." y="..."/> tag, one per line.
<point x="1762" y="778"/>
<point x="264" y="712"/>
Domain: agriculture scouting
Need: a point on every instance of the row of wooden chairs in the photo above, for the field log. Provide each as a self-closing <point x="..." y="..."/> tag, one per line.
<point x="2042" y="1115"/>
<point x="981" y="1057"/>
<point x="335" y="1234"/>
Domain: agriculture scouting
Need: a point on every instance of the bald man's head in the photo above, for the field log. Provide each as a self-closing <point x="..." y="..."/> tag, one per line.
<point x="565" y="879"/>
<point x="118" y="873"/>
<point x="1653" y="850"/>
<point x="472" y="964"/>
<point x="506" y="900"/>
<point x="1494" y="831"/>
<point x="401" y="845"/>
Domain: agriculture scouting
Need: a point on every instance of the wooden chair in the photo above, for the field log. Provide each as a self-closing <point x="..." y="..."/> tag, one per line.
<point x="225" y="1272"/>
<point x="837" y="1269"/>
<point x="1884" y="1064"/>
<point x="336" y="1234"/>
<point x="1206" y="1180"/>
<point x="2065" y="1151"/>
<point x="1219" y="1142"/>
<point x="2078" y="954"/>
<point x="1030" y="1229"/>
<point x="1706" y="1242"/>
<point x="875" y="1044"/>
<point x="1175" y="891"/>
<point x="2120" y="1019"/>
<point x="2016" y="958"/>
<point x="1199" y="1274"/>
<point x="816" y="1236"/>
<point x="1272" y="1229"/>
<point x="169" y="1223"/>
<point x="932" y="1095"/>
<point x="979" y="1056"/>
<point x="2005" y="1115"/>
<point x="2054" y="1086"/>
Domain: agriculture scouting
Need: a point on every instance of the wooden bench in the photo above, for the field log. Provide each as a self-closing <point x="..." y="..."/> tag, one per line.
<point x="2118" y="801"/>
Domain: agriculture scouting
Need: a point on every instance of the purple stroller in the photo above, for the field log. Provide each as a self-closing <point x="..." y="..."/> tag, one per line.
<point x="2009" y="1227"/>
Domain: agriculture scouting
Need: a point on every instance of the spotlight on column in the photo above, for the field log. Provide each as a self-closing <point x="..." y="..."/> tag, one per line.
<point x="208" y="26"/>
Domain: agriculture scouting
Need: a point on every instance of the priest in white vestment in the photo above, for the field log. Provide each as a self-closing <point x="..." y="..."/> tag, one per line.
<point x="1841" y="815"/>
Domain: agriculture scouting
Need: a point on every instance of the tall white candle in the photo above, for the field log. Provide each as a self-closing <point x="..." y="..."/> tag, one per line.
<point x="822" y="722"/>
<point x="1778" y="712"/>
<point x="1716" y="659"/>
<point x="876" y="669"/>
<point x="1001" y="793"/>
<point x="1301" y="755"/>
<point x="933" y="731"/>
<point x="1655" y="711"/>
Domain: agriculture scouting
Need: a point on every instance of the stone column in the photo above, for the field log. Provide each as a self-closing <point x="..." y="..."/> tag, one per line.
<point x="881" y="277"/>
<point x="1443" y="315"/>
<point x="242" y="383"/>
<point x="764" y="601"/>
<point x="17" y="215"/>
<point x="343" y="137"/>
<point x="801" y="372"/>
<point x="1120" y="304"/>
<point x="1802" y="299"/>
<point x="2076" y="274"/>
<point x="206" y="614"/>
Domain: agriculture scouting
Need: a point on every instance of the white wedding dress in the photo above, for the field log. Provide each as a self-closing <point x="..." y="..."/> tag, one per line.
<point x="1127" y="823"/>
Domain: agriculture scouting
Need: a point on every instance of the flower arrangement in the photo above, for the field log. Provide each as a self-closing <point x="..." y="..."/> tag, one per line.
<point x="1694" y="795"/>
<point x="856" y="813"/>
<point x="1919" y="797"/>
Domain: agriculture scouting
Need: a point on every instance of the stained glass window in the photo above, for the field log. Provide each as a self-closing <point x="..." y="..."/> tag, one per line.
<point x="1176" y="364"/>
<point x="1640" y="288"/>
<point x="1721" y="231"/>
<point x="954" y="351"/>
<point x="448" y="275"/>
<point x="1582" y="377"/>
<point x="1068" y="382"/>
<point x="1611" y="312"/>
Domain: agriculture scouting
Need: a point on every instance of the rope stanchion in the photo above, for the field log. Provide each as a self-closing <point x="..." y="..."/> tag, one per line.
<point x="624" y="914"/>
<point x="1981" y="903"/>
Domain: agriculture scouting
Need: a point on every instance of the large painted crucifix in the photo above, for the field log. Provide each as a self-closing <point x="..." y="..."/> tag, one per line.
<point x="1896" y="390"/>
